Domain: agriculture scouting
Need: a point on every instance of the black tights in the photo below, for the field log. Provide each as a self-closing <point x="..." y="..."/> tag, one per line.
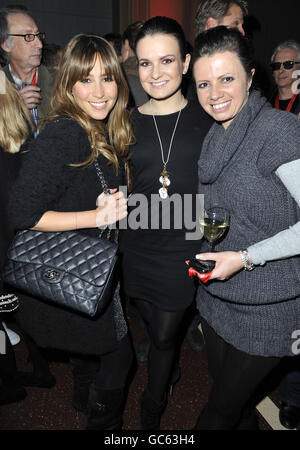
<point x="236" y="376"/>
<point x="162" y="327"/>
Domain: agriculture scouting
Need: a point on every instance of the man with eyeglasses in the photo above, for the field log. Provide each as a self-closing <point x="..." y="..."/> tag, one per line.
<point x="22" y="43"/>
<point x="284" y="62"/>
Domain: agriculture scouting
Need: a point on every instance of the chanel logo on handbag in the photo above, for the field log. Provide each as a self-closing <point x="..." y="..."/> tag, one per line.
<point x="51" y="274"/>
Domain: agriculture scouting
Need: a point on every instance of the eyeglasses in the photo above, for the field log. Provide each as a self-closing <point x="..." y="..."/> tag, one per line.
<point x="30" y="37"/>
<point x="287" y="65"/>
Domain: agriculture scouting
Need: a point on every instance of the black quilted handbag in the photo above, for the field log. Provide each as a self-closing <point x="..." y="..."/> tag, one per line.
<point x="68" y="268"/>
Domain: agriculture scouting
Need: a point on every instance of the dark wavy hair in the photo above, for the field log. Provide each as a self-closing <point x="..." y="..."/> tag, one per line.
<point x="164" y="25"/>
<point x="222" y="39"/>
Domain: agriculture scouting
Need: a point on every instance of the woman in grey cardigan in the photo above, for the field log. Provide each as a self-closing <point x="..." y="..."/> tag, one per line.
<point x="249" y="165"/>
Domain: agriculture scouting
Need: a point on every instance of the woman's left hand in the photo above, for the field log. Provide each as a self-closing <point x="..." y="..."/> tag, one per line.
<point x="227" y="264"/>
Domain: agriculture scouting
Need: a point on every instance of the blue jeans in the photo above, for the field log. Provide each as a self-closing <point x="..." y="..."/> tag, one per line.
<point x="289" y="388"/>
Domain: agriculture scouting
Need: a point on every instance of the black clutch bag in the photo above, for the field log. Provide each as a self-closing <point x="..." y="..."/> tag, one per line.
<point x="200" y="269"/>
<point x="68" y="268"/>
<point x="200" y="266"/>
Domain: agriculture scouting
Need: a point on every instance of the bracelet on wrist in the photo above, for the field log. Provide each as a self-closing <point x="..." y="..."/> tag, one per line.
<point x="248" y="265"/>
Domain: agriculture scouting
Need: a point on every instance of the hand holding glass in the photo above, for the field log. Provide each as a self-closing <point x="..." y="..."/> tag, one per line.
<point x="214" y="224"/>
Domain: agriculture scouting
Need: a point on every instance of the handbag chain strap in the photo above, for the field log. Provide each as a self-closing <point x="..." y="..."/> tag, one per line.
<point x="101" y="177"/>
<point x="106" y="192"/>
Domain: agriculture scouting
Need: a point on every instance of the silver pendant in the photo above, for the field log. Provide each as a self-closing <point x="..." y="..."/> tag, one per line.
<point x="163" y="193"/>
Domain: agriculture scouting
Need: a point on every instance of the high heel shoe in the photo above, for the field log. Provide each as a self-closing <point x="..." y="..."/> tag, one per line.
<point x="175" y="377"/>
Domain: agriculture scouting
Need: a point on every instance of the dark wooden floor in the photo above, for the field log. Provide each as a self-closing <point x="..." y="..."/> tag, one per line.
<point x="51" y="409"/>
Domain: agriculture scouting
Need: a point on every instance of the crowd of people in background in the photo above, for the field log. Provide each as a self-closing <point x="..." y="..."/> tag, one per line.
<point x="161" y="117"/>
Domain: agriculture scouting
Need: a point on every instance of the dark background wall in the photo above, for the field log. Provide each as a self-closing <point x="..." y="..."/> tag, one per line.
<point x="62" y="19"/>
<point x="269" y="22"/>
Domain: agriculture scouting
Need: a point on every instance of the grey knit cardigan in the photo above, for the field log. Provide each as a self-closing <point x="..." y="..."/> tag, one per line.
<point x="257" y="312"/>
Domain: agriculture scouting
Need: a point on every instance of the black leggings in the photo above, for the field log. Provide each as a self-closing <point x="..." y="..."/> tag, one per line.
<point x="163" y="329"/>
<point x="236" y="376"/>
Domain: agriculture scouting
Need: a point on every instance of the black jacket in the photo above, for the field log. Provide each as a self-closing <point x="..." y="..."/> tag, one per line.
<point x="48" y="182"/>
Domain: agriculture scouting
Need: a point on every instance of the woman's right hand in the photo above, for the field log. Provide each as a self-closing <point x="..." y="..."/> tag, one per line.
<point x="110" y="208"/>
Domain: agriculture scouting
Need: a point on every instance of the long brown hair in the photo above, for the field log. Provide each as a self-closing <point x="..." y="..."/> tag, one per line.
<point x="110" y="137"/>
<point x="16" y="123"/>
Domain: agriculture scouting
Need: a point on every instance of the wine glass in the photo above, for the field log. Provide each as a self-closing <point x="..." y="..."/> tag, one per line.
<point x="214" y="224"/>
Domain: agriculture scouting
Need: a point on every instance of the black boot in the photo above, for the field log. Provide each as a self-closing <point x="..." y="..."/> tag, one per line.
<point x="249" y="420"/>
<point x="10" y="390"/>
<point x="151" y="411"/>
<point x="105" y="409"/>
<point x="41" y="375"/>
<point x="11" y="393"/>
<point x="84" y="371"/>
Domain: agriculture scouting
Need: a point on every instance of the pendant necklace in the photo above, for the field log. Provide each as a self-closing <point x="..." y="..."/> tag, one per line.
<point x="164" y="176"/>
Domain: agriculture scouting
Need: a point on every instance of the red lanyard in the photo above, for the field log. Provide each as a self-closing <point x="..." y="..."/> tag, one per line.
<point x="289" y="106"/>
<point x="34" y="79"/>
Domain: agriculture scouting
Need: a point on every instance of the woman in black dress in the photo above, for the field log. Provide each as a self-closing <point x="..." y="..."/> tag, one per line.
<point x="57" y="191"/>
<point x="169" y="131"/>
<point x="15" y="128"/>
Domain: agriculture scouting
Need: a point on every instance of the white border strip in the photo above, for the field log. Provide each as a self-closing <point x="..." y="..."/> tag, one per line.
<point x="270" y="413"/>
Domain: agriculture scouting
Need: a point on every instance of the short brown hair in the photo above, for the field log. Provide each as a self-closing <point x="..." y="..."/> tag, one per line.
<point x="216" y="9"/>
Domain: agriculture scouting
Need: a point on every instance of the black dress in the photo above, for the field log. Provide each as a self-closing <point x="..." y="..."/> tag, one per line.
<point x="153" y="260"/>
<point x="47" y="181"/>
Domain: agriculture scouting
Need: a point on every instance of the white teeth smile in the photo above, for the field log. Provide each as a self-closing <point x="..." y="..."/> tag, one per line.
<point x="161" y="83"/>
<point x="220" y="106"/>
<point x="97" y="104"/>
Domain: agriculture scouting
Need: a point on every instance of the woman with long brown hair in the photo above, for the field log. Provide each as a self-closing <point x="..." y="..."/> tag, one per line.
<point x="57" y="191"/>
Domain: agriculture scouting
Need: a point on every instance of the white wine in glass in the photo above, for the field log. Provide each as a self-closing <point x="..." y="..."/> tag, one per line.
<point x="214" y="224"/>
